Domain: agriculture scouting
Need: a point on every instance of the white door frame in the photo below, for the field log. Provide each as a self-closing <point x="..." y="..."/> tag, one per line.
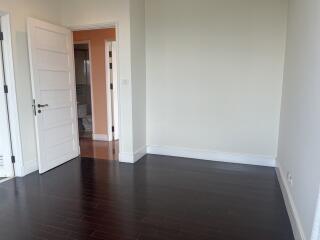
<point x="91" y="89"/>
<point x="12" y="96"/>
<point x="111" y="100"/>
<point x="316" y="224"/>
<point x="103" y="26"/>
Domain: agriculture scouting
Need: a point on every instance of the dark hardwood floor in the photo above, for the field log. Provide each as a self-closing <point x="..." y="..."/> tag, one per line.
<point x="157" y="198"/>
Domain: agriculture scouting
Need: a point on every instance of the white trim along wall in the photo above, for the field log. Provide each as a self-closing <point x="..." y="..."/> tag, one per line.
<point x="210" y="155"/>
<point x="101" y="137"/>
<point x="127" y="157"/>
<point x="316" y="224"/>
<point x="291" y="208"/>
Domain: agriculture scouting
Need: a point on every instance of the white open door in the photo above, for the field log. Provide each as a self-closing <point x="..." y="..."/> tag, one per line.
<point x="6" y="167"/>
<point x="53" y="86"/>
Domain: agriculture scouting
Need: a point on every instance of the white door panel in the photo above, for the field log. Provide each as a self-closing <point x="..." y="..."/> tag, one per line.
<point x="53" y="83"/>
<point x="57" y="41"/>
<point x="56" y="98"/>
<point x="53" y="80"/>
<point x="115" y="92"/>
<point x="47" y="60"/>
<point x="6" y="168"/>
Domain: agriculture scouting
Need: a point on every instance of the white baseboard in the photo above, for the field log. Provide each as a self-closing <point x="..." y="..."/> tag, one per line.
<point x="127" y="157"/>
<point x="139" y="153"/>
<point x="291" y="208"/>
<point x="101" y="137"/>
<point x="212" y="155"/>
<point x="5" y="179"/>
<point x="29" y="167"/>
<point x="316" y="225"/>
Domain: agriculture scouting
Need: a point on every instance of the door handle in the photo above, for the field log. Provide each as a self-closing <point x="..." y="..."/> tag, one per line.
<point x="42" y="105"/>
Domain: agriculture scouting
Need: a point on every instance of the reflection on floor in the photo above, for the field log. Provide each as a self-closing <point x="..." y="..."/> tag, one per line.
<point x="99" y="149"/>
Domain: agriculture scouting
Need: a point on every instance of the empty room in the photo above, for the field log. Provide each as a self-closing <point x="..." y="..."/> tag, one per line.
<point x="159" y="119"/>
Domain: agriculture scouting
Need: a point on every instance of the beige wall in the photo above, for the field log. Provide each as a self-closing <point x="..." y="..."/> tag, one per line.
<point x="214" y="74"/>
<point x="97" y="40"/>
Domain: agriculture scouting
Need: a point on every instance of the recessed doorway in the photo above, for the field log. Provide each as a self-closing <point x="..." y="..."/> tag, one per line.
<point x="97" y="92"/>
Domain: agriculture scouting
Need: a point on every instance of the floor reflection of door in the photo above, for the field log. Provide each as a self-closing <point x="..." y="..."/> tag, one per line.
<point x="99" y="149"/>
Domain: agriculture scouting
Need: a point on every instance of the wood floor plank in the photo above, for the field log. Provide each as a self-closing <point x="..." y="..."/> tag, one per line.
<point x="159" y="197"/>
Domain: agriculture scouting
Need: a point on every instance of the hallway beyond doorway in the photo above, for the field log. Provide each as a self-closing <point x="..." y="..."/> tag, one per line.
<point x="99" y="149"/>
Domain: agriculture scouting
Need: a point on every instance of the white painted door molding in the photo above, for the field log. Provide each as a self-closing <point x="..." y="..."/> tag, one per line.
<point x="112" y="92"/>
<point x="316" y="225"/>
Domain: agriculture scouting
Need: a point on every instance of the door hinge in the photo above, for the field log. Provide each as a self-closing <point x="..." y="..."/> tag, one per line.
<point x="1" y="36"/>
<point x="112" y="128"/>
<point x="5" y="88"/>
<point x="13" y="159"/>
<point x="111" y="86"/>
<point x="110" y="54"/>
<point x="110" y="65"/>
<point x="34" y="107"/>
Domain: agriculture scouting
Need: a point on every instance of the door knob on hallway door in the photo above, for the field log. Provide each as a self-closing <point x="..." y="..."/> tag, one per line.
<point x="42" y="105"/>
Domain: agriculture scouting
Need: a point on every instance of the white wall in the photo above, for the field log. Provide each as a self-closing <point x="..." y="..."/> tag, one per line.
<point x="19" y="11"/>
<point x="299" y="139"/>
<point x="138" y="71"/>
<point x="214" y="74"/>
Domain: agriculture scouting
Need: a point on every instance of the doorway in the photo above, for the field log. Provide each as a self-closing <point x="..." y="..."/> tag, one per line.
<point x="97" y="92"/>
